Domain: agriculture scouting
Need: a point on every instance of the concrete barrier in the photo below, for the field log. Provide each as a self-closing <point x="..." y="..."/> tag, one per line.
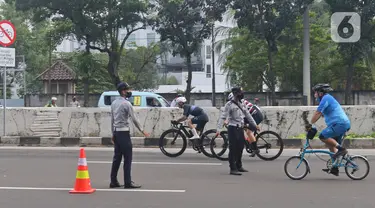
<point x="96" y="122"/>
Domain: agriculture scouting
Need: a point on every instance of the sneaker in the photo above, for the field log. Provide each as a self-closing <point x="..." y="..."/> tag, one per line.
<point x="334" y="171"/>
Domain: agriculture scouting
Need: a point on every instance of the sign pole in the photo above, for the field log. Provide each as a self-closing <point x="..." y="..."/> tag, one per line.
<point x="5" y="96"/>
<point x="7" y="38"/>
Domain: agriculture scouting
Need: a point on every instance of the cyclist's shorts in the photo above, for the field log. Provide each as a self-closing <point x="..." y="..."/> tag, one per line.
<point x="200" y="121"/>
<point x="335" y="131"/>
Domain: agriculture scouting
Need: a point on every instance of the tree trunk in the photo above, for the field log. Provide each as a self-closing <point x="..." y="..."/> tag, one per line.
<point x="349" y="82"/>
<point x="86" y="81"/>
<point x="114" y="60"/>
<point x="190" y="74"/>
<point x="86" y="89"/>
<point x="271" y="74"/>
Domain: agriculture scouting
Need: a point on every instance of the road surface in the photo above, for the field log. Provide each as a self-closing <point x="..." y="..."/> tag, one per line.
<point x="42" y="177"/>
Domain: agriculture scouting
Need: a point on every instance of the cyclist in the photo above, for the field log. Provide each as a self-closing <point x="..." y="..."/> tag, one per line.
<point x="257" y="116"/>
<point x="200" y="117"/>
<point x="173" y="103"/>
<point x="336" y="120"/>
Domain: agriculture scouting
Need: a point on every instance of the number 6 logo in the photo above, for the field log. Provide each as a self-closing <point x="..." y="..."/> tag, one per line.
<point x="345" y="27"/>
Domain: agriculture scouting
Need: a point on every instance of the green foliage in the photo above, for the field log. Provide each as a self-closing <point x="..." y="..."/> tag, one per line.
<point x="139" y="69"/>
<point x="97" y="23"/>
<point x="328" y="64"/>
<point x="185" y="25"/>
<point x="32" y="42"/>
<point x="266" y="20"/>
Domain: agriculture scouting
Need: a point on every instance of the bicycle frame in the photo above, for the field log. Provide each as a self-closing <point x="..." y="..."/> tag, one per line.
<point x="334" y="162"/>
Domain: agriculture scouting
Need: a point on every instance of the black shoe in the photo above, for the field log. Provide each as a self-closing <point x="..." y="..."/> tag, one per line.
<point x="114" y="185"/>
<point x="341" y="152"/>
<point x="242" y="170"/>
<point x="132" y="185"/>
<point x="235" y="172"/>
<point x="334" y="171"/>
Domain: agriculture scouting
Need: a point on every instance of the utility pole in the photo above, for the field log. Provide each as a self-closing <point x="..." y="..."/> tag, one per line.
<point x="213" y="65"/>
<point x="306" y="58"/>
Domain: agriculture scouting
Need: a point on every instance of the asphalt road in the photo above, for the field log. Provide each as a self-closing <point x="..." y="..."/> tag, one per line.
<point x="43" y="177"/>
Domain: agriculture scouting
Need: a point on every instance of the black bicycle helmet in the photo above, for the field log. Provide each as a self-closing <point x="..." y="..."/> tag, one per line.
<point x="322" y="88"/>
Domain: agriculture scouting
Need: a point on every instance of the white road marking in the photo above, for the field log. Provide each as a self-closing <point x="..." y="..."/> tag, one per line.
<point x="108" y="190"/>
<point x="157" y="163"/>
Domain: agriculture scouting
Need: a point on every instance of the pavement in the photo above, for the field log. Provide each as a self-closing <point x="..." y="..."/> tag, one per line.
<point x="36" y="177"/>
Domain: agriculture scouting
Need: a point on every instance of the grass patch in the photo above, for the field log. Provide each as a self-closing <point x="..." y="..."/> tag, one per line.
<point x="348" y="136"/>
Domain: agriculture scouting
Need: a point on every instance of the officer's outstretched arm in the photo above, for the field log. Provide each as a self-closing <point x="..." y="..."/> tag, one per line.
<point x="135" y="120"/>
<point x="223" y="116"/>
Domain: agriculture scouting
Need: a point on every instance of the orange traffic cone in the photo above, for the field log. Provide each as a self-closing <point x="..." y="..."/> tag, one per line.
<point x="82" y="184"/>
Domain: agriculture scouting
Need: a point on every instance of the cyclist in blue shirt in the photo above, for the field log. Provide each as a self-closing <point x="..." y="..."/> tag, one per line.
<point x="336" y="120"/>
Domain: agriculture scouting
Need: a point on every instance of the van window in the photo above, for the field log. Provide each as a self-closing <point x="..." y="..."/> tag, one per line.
<point x="153" y="102"/>
<point x="108" y="99"/>
<point x="164" y="102"/>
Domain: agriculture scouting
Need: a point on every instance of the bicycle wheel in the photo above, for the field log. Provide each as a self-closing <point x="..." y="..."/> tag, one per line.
<point x="219" y="146"/>
<point x="275" y="141"/>
<point x="175" y="139"/>
<point x="205" y="141"/>
<point x="356" y="167"/>
<point x="304" y="170"/>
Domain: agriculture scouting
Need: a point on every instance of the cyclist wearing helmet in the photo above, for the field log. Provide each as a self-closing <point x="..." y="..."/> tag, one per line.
<point x="336" y="120"/>
<point x="173" y="103"/>
<point x="200" y="117"/>
<point x="257" y="118"/>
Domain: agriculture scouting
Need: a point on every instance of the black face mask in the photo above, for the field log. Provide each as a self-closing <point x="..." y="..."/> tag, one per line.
<point x="240" y="96"/>
<point x="128" y="94"/>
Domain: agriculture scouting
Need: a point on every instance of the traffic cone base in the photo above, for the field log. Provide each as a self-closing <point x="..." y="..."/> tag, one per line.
<point x="82" y="184"/>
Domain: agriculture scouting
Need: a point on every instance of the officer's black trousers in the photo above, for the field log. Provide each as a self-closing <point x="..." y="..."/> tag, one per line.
<point x="236" y="145"/>
<point x="123" y="148"/>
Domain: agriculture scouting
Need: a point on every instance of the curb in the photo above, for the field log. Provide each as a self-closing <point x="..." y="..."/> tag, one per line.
<point x="359" y="143"/>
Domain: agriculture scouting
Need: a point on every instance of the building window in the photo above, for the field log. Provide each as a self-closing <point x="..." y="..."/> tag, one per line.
<point x="208" y="52"/>
<point x="131" y="41"/>
<point x="208" y="71"/>
<point x="150" y="38"/>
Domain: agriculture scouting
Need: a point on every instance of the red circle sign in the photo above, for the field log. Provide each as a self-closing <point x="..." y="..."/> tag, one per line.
<point x="7" y="33"/>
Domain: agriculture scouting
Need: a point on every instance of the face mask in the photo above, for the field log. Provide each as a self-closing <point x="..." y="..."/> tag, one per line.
<point x="128" y="94"/>
<point x="240" y="96"/>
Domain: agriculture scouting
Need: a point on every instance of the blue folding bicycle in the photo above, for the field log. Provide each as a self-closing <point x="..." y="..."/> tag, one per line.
<point x="347" y="161"/>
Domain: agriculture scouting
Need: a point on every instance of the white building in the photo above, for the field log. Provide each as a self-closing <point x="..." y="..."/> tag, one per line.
<point x="173" y="66"/>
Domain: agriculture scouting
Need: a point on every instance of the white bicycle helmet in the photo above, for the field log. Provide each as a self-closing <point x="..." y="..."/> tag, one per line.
<point x="181" y="100"/>
<point x="230" y="96"/>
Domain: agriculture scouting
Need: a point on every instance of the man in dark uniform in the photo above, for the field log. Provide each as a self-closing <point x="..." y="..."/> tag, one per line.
<point x="236" y="113"/>
<point x="122" y="110"/>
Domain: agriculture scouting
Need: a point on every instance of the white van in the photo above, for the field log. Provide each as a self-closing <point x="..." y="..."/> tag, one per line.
<point x="138" y="99"/>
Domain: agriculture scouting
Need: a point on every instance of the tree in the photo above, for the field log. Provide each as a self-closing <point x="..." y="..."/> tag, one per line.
<point x="185" y="25"/>
<point x="33" y="42"/>
<point x="267" y="19"/>
<point x="357" y="51"/>
<point x="139" y="69"/>
<point x="98" y="23"/>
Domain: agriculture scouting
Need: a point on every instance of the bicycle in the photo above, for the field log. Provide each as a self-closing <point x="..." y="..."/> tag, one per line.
<point x="180" y="129"/>
<point x="258" y="136"/>
<point x="330" y="163"/>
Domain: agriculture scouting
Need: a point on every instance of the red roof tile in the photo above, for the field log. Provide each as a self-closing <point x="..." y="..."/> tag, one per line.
<point x="59" y="71"/>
